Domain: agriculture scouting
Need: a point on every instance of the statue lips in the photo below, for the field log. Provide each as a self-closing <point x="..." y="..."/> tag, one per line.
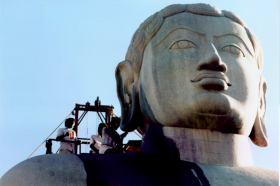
<point x="212" y="80"/>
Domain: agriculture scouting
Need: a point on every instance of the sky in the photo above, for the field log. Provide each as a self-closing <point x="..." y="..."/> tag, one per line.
<point x="55" y="53"/>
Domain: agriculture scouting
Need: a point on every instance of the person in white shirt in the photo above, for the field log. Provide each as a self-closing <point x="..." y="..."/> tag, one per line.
<point x="95" y="140"/>
<point x="67" y="134"/>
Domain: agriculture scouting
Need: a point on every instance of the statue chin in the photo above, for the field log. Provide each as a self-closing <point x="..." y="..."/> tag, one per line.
<point x="226" y="123"/>
<point x="218" y="113"/>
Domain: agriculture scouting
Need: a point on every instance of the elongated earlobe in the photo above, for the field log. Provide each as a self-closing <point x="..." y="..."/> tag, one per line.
<point x="258" y="133"/>
<point x="128" y="96"/>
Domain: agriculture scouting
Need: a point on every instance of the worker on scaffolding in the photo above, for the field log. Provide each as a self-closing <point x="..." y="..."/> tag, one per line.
<point x="95" y="140"/>
<point x="67" y="136"/>
<point x="111" y="140"/>
<point x="108" y="140"/>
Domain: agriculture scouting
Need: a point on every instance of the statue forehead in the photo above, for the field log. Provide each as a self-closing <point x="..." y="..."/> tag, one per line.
<point x="202" y="25"/>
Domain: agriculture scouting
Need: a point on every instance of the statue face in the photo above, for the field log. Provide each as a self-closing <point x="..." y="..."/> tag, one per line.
<point x="199" y="72"/>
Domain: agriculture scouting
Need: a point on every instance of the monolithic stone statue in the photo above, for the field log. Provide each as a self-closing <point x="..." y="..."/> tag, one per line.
<point x="197" y="72"/>
<point x="192" y="84"/>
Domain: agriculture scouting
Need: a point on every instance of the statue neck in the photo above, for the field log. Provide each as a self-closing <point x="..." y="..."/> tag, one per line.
<point x="210" y="147"/>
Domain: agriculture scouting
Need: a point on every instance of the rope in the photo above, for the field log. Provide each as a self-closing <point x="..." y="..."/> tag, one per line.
<point x="87" y="135"/>
<point x="138" y="134"/>
<point x="101" y="118"/>
<point x="48" y="137"/>
<point x="57" y="150"/>
<point x="82" y="117"/>
<point x="96" y="120"/>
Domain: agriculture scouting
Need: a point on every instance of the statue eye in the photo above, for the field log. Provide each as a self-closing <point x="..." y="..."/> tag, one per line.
<point x="182" y="44"/>
<point x="235" y="50"/>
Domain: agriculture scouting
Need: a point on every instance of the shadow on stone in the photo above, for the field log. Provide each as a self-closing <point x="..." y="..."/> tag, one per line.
<point x="158" y="164"/>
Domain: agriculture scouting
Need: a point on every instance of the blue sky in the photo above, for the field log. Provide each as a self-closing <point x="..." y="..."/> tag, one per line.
<point x="55" y="53"/>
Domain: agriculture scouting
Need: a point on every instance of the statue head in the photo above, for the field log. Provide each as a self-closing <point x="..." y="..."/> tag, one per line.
<point x="193" y="66"/>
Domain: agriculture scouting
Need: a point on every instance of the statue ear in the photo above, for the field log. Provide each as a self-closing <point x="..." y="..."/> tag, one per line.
<point x="127" y="90"/>
<point x="258" y="133"/>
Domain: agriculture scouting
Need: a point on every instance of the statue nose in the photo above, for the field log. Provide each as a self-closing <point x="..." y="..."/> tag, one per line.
<point x="212" y="60"/>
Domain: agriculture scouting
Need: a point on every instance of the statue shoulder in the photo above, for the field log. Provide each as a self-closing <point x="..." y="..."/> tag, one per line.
<point x="224" y="175"/>
<point x="50" y="169"/>
<point x="141" y="169"/>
